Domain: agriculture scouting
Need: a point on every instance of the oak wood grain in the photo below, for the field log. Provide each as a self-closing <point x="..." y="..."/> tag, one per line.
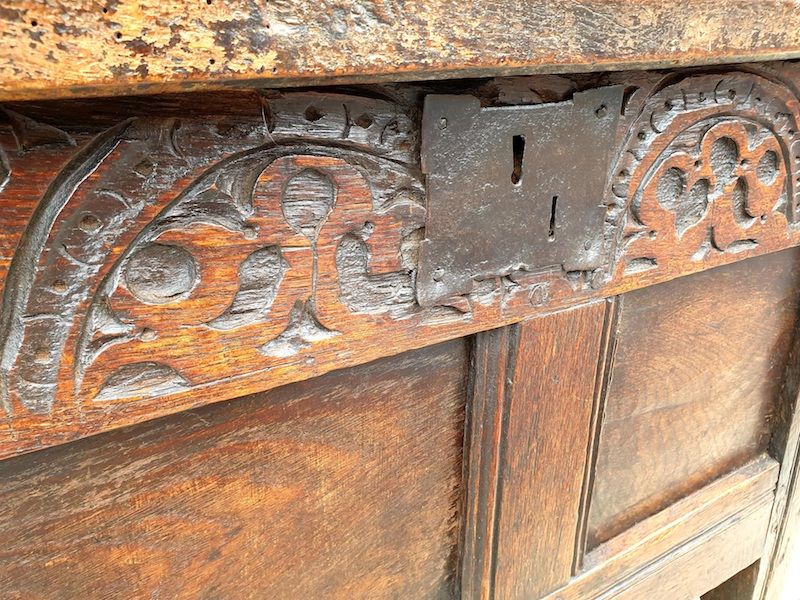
<point x="346" y="486"/>
<point x="627" y="557"/>
<point x="492" y="361"/>
<point x="698" y="367"/>
<point x="70" y="49"/>
<point x="703" y="563"/>
<point x="157" y="255"/>
<point x="543" y="450"/>
<point x="685" y="519"/>
<point x="605" y="367"/>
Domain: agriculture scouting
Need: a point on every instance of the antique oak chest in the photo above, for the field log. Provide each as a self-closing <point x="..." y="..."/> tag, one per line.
<point x="385" y="299"/>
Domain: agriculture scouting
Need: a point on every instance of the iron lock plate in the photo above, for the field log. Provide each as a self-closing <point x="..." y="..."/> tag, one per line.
<point x="513" y="188"/>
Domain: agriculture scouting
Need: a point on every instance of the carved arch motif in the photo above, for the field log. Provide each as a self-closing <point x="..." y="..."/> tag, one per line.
<point x="162" y="235"/>
<point x="705" y="175"/>
<point x="284" y="238"/>
<point x="255" y="247"/>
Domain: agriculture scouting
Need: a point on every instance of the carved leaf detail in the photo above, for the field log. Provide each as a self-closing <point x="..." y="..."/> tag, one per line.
<point x="260" y="277"/>
<point x="169" y="255"/>
<point x="709" y="178"/>
<point x="289" y="240"/>
<point x="141" y="379"/>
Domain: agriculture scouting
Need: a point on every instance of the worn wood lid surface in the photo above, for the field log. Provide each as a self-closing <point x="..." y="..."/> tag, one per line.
<point x="93" y="48"/>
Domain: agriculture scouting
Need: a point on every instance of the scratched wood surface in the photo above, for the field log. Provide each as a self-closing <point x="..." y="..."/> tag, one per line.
<point x="93" y="47"/>
<point x="343" y="487"/>
<point x="160" y="254"/>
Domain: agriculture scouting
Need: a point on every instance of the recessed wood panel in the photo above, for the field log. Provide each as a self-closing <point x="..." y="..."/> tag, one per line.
<point x="702" y="564"/>
<point x="697" y="369"/>
<point x="667" y="535"/>
<point x="346" y="486"/>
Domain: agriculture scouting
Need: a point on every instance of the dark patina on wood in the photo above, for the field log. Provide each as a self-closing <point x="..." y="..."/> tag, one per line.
<point x="613" y="441"/>
<point x="239" y="242"/>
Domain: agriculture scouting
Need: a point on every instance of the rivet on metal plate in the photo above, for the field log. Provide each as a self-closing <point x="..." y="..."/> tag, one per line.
<point x="513" y="188"/>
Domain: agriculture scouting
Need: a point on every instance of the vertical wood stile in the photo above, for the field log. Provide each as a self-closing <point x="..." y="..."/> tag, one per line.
<point x="533" y="409"/>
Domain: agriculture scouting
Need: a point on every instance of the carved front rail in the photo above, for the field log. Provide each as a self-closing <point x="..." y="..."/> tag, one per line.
<point x="158" y="255"/>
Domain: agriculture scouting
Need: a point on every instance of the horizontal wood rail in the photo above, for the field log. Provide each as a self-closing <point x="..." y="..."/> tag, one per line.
<point x="94" y="47"/>
<point x="730" y="506"/>
<point x="153" y="250"/>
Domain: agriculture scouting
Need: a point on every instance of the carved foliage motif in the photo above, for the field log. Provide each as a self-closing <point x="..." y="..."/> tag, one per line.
<point x="165" y="239"/>
<point x="177" y="287"/>
<point x="173" y="254"/>
<point x="706" y="176"/>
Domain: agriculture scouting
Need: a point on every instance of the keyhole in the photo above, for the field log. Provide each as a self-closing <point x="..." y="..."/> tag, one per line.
<point x="518" y="145"/>
<point x="551" y="234"/>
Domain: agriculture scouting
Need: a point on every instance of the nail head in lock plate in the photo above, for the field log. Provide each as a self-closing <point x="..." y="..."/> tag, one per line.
<point x="513" y="188"/>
